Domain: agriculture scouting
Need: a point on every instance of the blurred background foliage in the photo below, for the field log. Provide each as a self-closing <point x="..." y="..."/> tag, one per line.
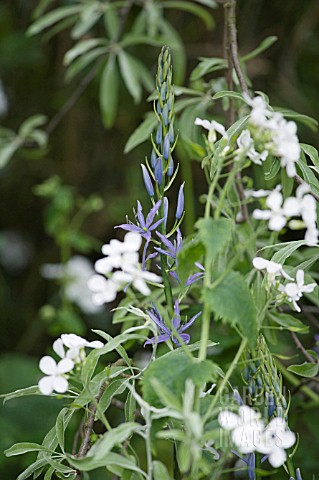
<point x="81" y="166"/>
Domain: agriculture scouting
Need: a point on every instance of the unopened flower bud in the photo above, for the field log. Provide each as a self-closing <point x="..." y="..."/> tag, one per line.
<point x="180" y="202"/>
<point x="158" y="171"/>
<point x="170" y="169"/>
<point x="159" y="135"/>
<point x="165" y="211"/>
<point x="166" y="147"/>
<point x="153" y="158"/>
<point x="147" y="181"/>
<point x="165" y="114"/>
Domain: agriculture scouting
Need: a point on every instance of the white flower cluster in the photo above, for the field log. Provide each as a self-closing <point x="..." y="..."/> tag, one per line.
<point x="292" y="291"/>
<point x="280" y="211"/>
<point x="124" y="257"/>
<point x="246" y="147"/>
<point x="212" y="127"/>
<point x="249" y="434"/>
<point x="56" y="378"/>
<point x="281" y="135"/>
<point x="75" y="273"/>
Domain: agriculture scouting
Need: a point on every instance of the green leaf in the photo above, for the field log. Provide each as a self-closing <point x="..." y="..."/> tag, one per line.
<point x="215" y="235"/>
<point x="23" y="392"/>
<point x="60" y="426"/>
<point x="266" y="43"/>
<point x="307" y="370"/>
<point x="160" y="471"/>
<point x="130" y="75"/>
<point x="21" y="448"/>
<point x="90" y="14"/>
<point x="308" y="175"/>
<point x="192" y="8"/>
<point x="82" y="47"/>
<point x="109" y="86"/>
<point x="98" y="455"/>
<point x="7" y="151"/>
<point x="130" y="408"/>
<point x="232" y="301"/>
<point x="37" y="465"/>
<point x="288" y="322"/>
<point x="228" y="93"/>
<point x="312" y="153"/>
<point x="174" y="379"/>
<point x="114" y="388"/>
<point x="273" y="165"/>
<point x="83" y="61"/>
<point x="299" y="117"/>
<point x="207" y="65"/>
<point x="287" y="183"/>
<point x="30" y="124"/>
<point x="53" y="17"/>
<point x="142" y="133"/>
<point x="111" y="22"/>
<point x="287" y="251"/>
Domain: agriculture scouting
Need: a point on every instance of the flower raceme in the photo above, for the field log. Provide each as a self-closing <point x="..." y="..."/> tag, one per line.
<point x="249" y="434"/>
<point x="56" y="373"/>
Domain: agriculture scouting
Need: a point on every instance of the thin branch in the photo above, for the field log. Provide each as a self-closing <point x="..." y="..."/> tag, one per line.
<point x="234" y="46"/>
<point x="231" y="52"/>
<point x="300" y="347"/>
<point x="77" y="435"/>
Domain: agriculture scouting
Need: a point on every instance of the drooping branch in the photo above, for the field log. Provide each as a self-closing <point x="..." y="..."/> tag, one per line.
<point x="300" y="347"/>
<point x="234" y="46"/>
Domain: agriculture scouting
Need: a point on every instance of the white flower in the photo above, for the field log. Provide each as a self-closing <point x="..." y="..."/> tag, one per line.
<point x="137" y="277"/>
<point x="273" y="269"/>
<point x="257" y="193"/>
<point x="104" y="291"/>
<point x="286" y="145"/>
<point x="274" y="440"/>
<point x="279" y="134"/>
<point x="76" y="272"/>
<point x="75" y="344"/>
<point x="259" y="111"/>
<point x="246" y="428"/>
<point x="294" y="290"/>
<point x="246" y="146"/>
<point x="55" y="379"/>
<point x="276" y="215"/>
<point x="119" y="253"/>
<point x="212" y="128"/>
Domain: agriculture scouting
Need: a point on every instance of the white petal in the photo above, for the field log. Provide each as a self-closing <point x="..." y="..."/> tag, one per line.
<point x="260" y="263"/>
<point x="228" y="420"/>
<point x="277" y="457"/>
<point x="58" y="348"/>
<point x="122" y="277"/>
<point x="248" y="415"/>
<point x="95" y="344"/>
<point x="203" y="123"/>
<point x="60" y="384"/>
<point x="309" y="288"/>
<point x="274" y="267"/>
<point x="133" y="241"/>
<point x="274" y="201"/>
<point x="65" y="365"/>
<point x="72" y="340"/>
<point x="141" y="286"/>
<point x="48" y="365"/>
<point x="277" y="222"/>
<point x="292" y="207"/>
<point x="246" y="438"/>
<point x="300" y="278"/>
<point x="46" y="385"/>
<point x="261" y="214"/>
<point x="129" y="259"/>
<point x="103" y="265"/>
<point x="97" y="283"/>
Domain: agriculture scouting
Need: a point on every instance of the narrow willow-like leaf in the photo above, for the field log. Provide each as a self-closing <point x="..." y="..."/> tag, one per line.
<point x="109" y="87"/>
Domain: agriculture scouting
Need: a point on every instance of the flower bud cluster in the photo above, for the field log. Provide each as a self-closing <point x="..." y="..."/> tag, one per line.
<point x="264" y="381"/>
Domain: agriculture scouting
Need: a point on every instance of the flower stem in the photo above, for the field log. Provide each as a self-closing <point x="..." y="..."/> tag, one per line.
<point x="164" y="266"/>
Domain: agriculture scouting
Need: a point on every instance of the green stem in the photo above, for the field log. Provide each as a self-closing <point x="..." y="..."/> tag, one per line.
<point x="226" y="379"/>
<point x="291" y="468"/>
<point x="164" y="266"/>
<point x="230" y="180"/>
